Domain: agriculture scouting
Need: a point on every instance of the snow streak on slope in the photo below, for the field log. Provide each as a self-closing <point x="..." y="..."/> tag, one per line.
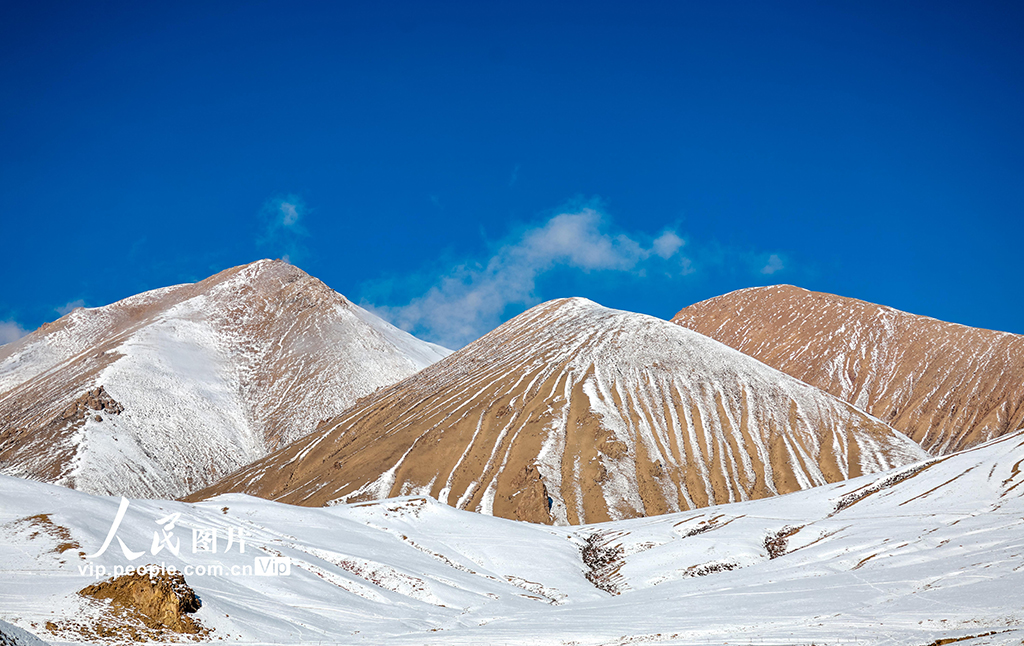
<point x="575" y="413"/>
<point x="164" y="392"/>
<point x="926" y="552"/>
<point x="947" y="386"/>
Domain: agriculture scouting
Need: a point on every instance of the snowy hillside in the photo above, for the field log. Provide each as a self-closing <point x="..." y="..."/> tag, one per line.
<point x="926" y="552"/>
<point x="574" y="413"/>
<point x="164" y="392"/>
<point x="946" y="386"/>
<point x="14" y="636"/>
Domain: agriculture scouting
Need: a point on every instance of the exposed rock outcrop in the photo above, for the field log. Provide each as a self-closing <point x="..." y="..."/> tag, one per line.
<point x="160" y="600"/>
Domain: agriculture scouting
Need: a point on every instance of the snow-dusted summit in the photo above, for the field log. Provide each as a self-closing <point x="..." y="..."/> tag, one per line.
<point x="164" y="392"/>
<point x="574" y="413"/>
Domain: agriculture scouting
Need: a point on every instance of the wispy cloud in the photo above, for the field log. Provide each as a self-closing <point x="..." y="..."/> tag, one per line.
<point x="283" y="231"/>
<point x="69" y="306"/>
<point x="470" y="299"/>
<point x="667" y="244"/>
<point x="10" y="331"/>
<point x="289" y="213"/>
<point x="773" y="265"/>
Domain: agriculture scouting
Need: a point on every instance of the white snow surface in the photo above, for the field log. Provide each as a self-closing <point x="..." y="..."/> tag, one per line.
<point x="928" y="551"/>
<point x="174" y="373"/>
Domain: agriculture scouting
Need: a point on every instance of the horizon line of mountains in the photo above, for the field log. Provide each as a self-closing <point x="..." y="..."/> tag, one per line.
<point x="262" y="380"/>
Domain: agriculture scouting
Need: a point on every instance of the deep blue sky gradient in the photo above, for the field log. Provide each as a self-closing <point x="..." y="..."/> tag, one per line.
<point x="877" y="148"/>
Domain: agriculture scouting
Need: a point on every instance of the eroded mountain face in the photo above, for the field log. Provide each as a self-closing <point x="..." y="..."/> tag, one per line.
<point x="947" y="386"/>
<point x="167" y="391"/>
<point x="574" y="413"/>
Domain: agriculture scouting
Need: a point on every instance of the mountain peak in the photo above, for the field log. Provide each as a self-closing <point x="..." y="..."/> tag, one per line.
<point x="945" y="385"/>
<point x="572" y="412"/>
<point x="163" y="392"/>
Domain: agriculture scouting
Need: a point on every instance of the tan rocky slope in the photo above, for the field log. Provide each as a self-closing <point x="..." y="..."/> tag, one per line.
<point x="947" y="386"/>
<point x="574" y="413"/>
<point x="167" y="391"/>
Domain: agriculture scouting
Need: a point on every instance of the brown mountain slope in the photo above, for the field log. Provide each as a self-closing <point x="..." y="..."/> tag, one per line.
<point x="167" y="391"/>
<point x="574" y="413"/>
<point x="947" y="386"/>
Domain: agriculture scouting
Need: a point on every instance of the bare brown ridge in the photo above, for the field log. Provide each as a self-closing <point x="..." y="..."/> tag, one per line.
<point x="575" y="413"/>
<point x="167" y="391"/>
<point x="947" y="386"/>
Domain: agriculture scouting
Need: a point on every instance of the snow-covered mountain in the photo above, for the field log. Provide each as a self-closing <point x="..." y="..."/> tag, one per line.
<point x="928" y="552"/>
<point x="574" y="413"/>
<point x="165" y="392"/>
<point x="947" y="386"/>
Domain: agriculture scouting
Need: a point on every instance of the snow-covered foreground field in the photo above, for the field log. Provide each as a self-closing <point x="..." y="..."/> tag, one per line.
<point x="930" y="551"/>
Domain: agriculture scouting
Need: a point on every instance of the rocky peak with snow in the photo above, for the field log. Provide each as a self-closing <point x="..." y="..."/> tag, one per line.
<point x="166" y="391"/>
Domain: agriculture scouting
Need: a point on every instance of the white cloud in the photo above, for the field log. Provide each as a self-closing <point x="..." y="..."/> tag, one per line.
<point x="10" y="331"/>
<point x="774" y="265"/>
<point x="471" y="298"/>
<point x="283" y="232"/>
<point x="667" y="244"/>
<point x="69" y="306"/>
<point x="290" y="214"/>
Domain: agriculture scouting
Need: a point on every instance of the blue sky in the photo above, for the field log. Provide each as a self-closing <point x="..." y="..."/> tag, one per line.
<point x="451" y="164"/>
